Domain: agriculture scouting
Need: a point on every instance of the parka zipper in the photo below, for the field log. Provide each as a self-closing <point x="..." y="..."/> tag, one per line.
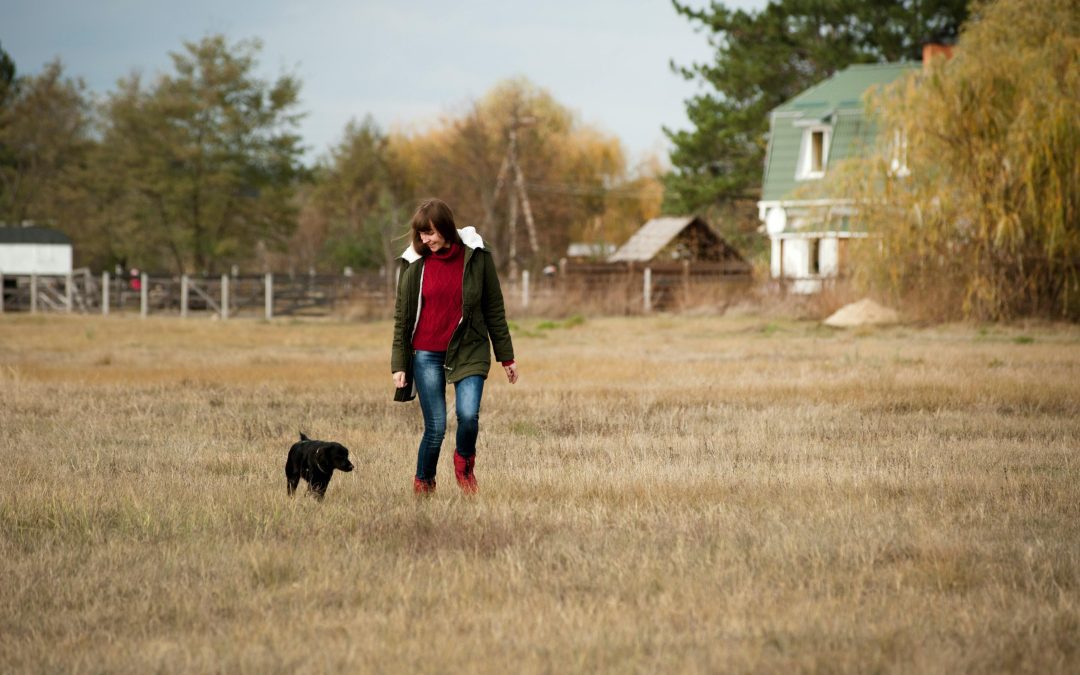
<point x="419" y="302"/>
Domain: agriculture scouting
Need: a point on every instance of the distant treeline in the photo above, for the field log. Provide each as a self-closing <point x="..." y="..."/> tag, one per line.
<point x="200" y="169"/>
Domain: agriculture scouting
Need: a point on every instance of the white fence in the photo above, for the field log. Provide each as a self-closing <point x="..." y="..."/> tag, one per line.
<point x="263" y="296"/>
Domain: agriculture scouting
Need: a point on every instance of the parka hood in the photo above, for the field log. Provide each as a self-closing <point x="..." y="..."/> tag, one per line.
<point x="468" y="235"/>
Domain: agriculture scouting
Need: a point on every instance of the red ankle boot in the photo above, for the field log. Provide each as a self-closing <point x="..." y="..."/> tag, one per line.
<point x="463" y="471"/>
<point x="423" y="487"/>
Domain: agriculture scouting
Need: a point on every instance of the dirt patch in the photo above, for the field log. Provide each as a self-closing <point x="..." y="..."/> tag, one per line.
<point x="862" y="313"/>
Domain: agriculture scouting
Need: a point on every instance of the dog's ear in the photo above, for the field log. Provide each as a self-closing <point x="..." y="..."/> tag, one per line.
<point x="303" y="437"/>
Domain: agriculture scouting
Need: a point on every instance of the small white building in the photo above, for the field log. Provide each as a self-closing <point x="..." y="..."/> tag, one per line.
<point x="34" y="250"/>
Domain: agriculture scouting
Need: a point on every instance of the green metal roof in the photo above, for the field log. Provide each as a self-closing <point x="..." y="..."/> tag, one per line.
<point x="846" y="87"/>
<point x="837" y="103"/>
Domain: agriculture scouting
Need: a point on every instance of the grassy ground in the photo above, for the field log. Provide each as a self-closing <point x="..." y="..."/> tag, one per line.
<point x="661" y="494"/>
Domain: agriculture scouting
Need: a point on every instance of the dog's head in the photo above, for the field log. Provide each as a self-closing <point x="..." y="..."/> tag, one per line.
<point x="334" y="455"/>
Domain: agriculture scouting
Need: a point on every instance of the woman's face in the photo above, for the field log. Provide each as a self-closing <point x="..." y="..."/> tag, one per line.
<point x="432" y="239"/>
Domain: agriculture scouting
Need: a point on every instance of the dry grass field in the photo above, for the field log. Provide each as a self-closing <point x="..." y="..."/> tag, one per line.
<point x="662" y="494"/>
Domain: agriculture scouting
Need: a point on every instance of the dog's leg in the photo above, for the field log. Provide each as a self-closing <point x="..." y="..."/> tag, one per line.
<point x="292" y="471"/>
<point x="292" y="475"/>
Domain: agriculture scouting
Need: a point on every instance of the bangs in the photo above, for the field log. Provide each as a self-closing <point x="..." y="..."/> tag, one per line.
<point x="433" y="215"/>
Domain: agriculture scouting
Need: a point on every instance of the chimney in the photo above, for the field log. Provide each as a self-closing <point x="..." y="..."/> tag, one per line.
<point x="932" y="51"/>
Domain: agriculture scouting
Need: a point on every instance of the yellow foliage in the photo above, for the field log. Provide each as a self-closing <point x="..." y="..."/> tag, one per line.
<point x="576" y="176"/>
<point x="985" y="225"/>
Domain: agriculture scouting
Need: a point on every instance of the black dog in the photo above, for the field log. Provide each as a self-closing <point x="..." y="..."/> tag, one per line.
<point x="315" y="461"/>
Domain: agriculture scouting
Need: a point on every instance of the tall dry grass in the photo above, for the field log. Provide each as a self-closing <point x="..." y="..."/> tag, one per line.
<point x="658" y="494"/>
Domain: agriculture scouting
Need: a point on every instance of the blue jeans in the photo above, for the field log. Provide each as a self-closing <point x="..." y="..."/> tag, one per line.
<point x="430" y="378"/>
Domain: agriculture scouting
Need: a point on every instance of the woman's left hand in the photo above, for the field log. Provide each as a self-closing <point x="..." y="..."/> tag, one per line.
<point x="511" y="372"/>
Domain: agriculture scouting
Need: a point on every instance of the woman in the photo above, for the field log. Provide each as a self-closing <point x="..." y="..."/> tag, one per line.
<point x="448" y="315"/>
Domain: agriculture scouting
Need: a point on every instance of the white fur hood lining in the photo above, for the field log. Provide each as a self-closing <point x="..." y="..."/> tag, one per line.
<point x="468" y="236"/>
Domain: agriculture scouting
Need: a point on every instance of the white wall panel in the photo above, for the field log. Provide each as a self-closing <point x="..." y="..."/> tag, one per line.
<point x="35" y="258"/>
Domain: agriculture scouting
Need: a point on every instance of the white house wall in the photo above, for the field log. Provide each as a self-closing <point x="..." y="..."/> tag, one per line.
<point x="796" y="258"/>
<point x="829" y="256"/>
<point x="35" y="259"/>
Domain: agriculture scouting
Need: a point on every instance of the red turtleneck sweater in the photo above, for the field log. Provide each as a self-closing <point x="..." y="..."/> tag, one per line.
<point x="440" y="298"/>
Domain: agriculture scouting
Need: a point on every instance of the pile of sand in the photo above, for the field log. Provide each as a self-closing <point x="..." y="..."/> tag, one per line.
<point x="862" y="313"/>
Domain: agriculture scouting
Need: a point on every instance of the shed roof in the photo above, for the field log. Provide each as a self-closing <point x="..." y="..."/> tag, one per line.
<point x="651" y="239"/>
<point x="32" y="235"/>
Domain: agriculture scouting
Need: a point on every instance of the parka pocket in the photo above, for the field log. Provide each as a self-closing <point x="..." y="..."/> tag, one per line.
<point x="477" y="326"/>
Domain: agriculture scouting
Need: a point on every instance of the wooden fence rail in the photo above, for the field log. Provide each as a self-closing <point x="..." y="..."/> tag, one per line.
<point x="264" y="296"/>
<point x="619" y="288"/>
<point x="627" y="288"/>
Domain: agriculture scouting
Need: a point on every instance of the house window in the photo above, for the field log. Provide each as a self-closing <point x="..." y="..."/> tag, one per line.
<point x="814" y="154"/>
<point x="817" y="151"/>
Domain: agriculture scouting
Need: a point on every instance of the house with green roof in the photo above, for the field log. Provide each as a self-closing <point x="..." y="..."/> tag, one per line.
<point x="808" y="136"/>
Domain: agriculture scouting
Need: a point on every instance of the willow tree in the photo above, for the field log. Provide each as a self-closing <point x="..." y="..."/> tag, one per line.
<point x="972" y="190"/>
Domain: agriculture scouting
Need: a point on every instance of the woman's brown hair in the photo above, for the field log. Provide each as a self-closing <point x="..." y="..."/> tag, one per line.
<point x="433" y="214"/>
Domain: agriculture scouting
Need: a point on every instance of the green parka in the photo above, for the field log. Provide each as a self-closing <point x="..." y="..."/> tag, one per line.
<point x="483" y="317"/>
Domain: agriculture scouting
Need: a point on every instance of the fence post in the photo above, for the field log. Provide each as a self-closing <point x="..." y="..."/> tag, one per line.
<point x="1" y="292"/>
<point x="144" y="295"/>
<point x="67" y="292"/>
<point x="647" y="290"/>
<point x="183" y="296"/>
<point x="525" y="289"/>
<point x="224" y="296"/>
<point x="269" y="288"/>
<point x="33" y="294"/>
<point x="686" y="280"/>
<point x="104" y="294"/>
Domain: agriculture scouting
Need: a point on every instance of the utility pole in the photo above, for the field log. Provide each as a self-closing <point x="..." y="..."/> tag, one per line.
<point x="517" y="195"/>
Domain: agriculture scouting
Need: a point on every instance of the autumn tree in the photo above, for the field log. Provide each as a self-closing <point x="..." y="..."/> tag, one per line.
<point x="205" y="161"/>
<point x="575" y="176"/>
<point x="972" y="191"/>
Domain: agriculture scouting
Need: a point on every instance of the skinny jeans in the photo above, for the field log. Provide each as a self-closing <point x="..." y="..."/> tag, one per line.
<point x="429" y="374"/>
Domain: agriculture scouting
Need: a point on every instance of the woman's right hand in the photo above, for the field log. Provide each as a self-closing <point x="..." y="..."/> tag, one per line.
<point x="399" y="379"/>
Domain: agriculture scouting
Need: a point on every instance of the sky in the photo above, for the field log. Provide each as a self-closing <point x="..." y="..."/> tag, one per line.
<point x="404" y="63"/>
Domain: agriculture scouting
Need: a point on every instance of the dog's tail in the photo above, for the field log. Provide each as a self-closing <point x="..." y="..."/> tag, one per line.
<point x="303" y="437"/>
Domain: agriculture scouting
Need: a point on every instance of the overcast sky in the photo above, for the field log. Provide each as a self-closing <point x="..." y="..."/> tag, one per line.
<point x="405" y="63"/>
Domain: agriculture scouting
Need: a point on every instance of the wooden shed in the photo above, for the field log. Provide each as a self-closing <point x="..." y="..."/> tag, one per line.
<point x="676" y="239"/>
